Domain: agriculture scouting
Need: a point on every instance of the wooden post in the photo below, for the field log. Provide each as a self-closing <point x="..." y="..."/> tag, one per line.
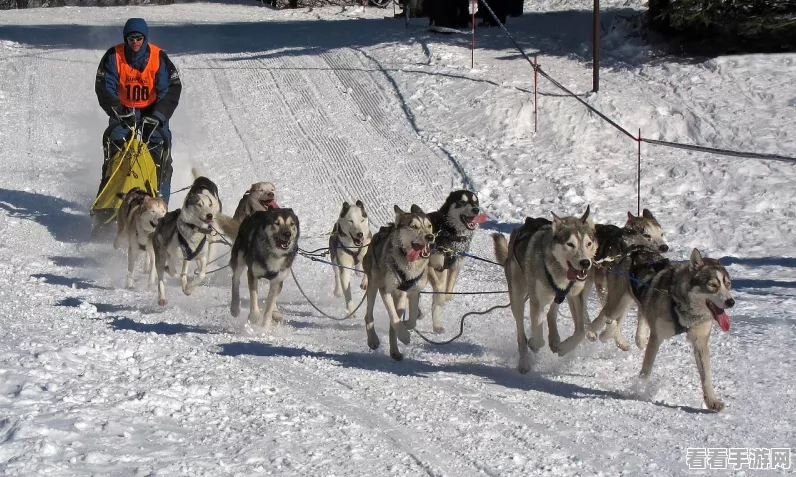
<point x="535" y="76"/>
<point x="472" y="48"/>
<point x="638" y="191"/>
<point x="596" y="47"/>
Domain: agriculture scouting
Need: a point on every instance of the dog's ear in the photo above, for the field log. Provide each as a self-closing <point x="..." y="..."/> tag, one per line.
<point x="696" y="260"/>
<point x="398" y="213"/>
<point x="362" y="208"/>
<point x="415" y="209"/>
<point x="586" y="218"/>
<point x="647" y="214"/>
<point x="556" y="222"/>
<point x="344" y="211"/>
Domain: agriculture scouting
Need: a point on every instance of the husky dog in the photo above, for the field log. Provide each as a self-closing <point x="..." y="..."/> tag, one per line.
<point x="266" y="245"/>
<point x="615" y="245"/>
<point x="138" y="216"/>
<point x="454" y="224"/>
<point x="181" y="236"/>
<point x="684" y="297"/>
<point x="260" y="196"/>
<point x="547" y="262"/>
<point x="348" y="245"/>
<point x="395" y="265"/>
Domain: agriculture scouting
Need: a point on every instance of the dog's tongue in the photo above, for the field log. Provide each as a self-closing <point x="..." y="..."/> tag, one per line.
<point x="479" y="219"/>
<point x="413" y="255"/>
<point x="724" y="322"/>
<point x="572" y="274"/>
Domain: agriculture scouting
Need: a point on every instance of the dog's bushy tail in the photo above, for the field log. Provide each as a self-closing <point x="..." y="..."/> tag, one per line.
<point x="228" y="226"/>
<point x="501" y="248"/>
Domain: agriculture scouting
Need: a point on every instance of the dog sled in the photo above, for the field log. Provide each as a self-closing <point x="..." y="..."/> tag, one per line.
<point x="135" y="163"/>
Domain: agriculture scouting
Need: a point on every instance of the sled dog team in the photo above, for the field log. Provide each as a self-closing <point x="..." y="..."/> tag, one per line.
<point x="545" y="262"/>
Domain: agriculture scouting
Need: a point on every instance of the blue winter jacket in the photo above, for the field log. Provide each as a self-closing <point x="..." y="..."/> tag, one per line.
<point x="167" y="78"/>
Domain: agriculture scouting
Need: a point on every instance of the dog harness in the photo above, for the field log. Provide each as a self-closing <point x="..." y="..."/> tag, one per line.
<point x="339" y="245"/>
<point x="561" y="295"/>
<point x="678" y="327"/>
<point x="447" y="240"/>
<point x="187" y="253"/>
<point x="406" y="283"/>
<point x="637" y="286"/>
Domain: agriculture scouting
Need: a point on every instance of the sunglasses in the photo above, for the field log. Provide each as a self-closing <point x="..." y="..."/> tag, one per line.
<point x="132" y="38"/>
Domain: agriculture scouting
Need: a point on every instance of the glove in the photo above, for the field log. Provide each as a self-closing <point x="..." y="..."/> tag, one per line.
<point x="124" y="114"/>
<point x="148" y="125"/>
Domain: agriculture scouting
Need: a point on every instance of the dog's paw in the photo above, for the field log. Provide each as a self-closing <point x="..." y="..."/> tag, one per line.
<point x="163" y="302"/>
<point x="524" y="365"/>
<point x="373" y="341"/>
<point x="622" y="343"/>
<point x="641" y="341"/>
<point x="608" y="333"/>
<point x="396" y="355"/>
<point x="555" y="343"/>
<point x="536" y="344"/>
<point x="401" y="333"/>
<point x="714" y="404"/>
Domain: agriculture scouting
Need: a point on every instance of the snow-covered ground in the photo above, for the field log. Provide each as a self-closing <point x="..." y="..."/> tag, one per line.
<point x="339" y="104"/>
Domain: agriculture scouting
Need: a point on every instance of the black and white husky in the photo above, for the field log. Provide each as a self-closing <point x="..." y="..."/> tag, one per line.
<point x="348" y="244"/>
<point x="454" y="225"/>
<point x="182" y="236"/>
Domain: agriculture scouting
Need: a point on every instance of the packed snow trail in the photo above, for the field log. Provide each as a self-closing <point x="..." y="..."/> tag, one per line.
<point x="97" y="379"/>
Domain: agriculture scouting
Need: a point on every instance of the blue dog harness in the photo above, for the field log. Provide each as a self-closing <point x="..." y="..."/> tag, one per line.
<point x="187" y="253"/>
<point x="405" y="283"/>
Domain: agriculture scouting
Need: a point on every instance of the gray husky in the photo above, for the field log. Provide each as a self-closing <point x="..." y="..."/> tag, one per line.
<point x="610" y="276"/>
<point x="547" y="262"/>
<point x="682" y="297"/>
<point x="348" y="244"/>
<point x="266" y="245"/>
<point x="181" y="236"/>
<point x="454" y="225"/>
<point x="395" y="265"/>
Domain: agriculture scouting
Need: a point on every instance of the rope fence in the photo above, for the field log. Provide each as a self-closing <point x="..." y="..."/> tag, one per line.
<point x="692" y="147"/>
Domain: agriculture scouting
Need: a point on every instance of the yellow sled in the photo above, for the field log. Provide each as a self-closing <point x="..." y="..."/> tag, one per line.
<point x="131" y="166"/>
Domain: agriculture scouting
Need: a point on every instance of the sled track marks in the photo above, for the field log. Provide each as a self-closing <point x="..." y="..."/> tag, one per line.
<point x="222" y="84"/>
<point x="338" y="120"/>
<point x="381" y="104"/>
<point x="343" y="399"/>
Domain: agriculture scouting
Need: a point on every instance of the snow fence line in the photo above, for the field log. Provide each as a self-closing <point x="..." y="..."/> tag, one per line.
<point x="691" y="147"/>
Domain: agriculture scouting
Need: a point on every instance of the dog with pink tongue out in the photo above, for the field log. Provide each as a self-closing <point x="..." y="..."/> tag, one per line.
<point x="396" y="269"/>
<point x="682" y="298"/>
<point x="454" y="225"/>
